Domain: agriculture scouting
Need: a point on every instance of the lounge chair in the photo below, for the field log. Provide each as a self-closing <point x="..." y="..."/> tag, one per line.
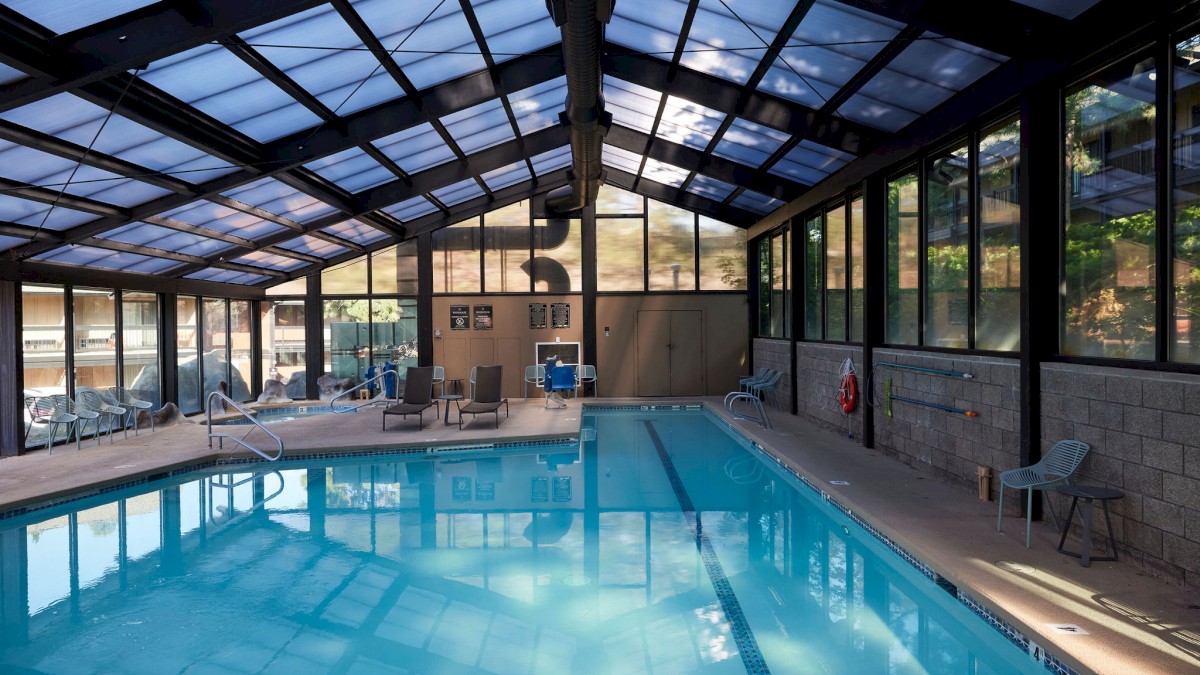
<point x="487" y="395"/>
<point x="418" y="396"/>
<point x="1057" y="468"/>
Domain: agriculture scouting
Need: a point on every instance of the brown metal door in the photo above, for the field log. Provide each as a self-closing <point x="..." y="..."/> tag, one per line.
<point x="670" y="353"/>
<point x="687" y="353"/>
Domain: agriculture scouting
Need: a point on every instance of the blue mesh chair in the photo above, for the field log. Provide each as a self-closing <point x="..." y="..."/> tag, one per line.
<point x="1057" y="468"/>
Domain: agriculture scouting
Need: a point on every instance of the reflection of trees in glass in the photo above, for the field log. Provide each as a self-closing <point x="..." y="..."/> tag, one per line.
<point x="671" y="234"/>
<point x="947" y="202"/>
<point x="814" y="276"/>
<point x="903" y="265"/>
<point x="363" y="310"/>
<point x="998" y="297"/>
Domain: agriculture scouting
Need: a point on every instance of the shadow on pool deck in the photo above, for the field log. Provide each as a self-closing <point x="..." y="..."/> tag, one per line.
<point x="1134" y="622"/>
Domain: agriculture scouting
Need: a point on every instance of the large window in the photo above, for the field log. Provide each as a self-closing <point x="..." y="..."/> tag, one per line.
<point x="187" y="311"/>
<point x="557" y="255"/>
<point x="814" y="276"/>
<point x="139" y="346"/>
<point x="1185" y="331"/>
<point x="282" y="337"/>
<point x="456" y="258"/>
<point x="620" y="252"/>
<point x="774" y="291"/>
<point x="393" y="270"/>
<point x="506" y="249"/>
<point x="670" y="248"/>
<point x="947" y="238"/>
<point x="835" y="273"/>
<point x="998" y="282"/>
<point x="903" y="309"/>
<point x="1109" y="279"/>
<point x="95" y="329"/>
<point x="722" y="256"/>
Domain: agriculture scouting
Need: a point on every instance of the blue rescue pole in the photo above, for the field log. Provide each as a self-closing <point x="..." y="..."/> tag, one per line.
<point x="953" y="373"/>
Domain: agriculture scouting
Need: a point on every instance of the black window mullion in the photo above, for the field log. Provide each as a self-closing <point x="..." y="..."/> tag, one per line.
<point x="1164" y="288"/>
<point x="973" y="263"/>
<point x="922" y="247"/>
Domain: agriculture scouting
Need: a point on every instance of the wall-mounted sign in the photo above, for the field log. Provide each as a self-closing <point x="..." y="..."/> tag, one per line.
<point x="485" y="491"/>
<point x="459" y="316"/>
<point x="483" y="317"/>
<point x="537" y="315"/>
<point x="562" y="488"/>
<point x="560" y="315"/>
<point x="461" y="488"/>
<point x="539" y="489"/>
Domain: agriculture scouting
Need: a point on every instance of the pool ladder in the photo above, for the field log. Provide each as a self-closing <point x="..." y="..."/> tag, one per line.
<point x="760" y="413"/>
<point x="359" y="387"/>
<point x="240" y="441"/>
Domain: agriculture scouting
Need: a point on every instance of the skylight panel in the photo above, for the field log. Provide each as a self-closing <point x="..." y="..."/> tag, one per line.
<point x="223" y="219"/>
<point x="64" y="17"/>
<point x="514" y="27"/>
<point x="506" y="175"/>
<point x="667" y="174"/>
<point x="651" y="27"/>
<point x="273" y="261"/>
<point x="410" y="209"/>
<point x="90" y="256"/>
<point x="227" y="276"/>
<point x="731" y="45"/>
<point x="11" y="242"/>
<point x="631" y="105"/>
<point x="430" y="40"/>
<point x="756" y="202"/>
<point x="458" y="192"/>
<point x="280" y="199"/>
<point x="689" y="123"/>
<point x="480" y="126"/>
<point x="621" y="159"/>
<point x="537" y="107"/>
<point x="359" y="233"/>
<point x="1067" y="9"/>
<point x="352" y="170"/>
<point x="416" y="148"/>
<point x="551" y="160"/>
<point x="8" y="74"/>
<point x="220" y="84"/>
<point x="321" y="53"/>
<point x="314" y="246"/>
<point x="749" y="143"/>
<point x="154" y="236"/>
<point x="53" y="173"/>
<point x="28" y="212"/>
<point x="810" y="162"/>
<point x="712" y="188"/>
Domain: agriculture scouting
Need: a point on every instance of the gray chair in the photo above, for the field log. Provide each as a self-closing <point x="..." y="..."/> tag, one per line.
<point x="48" y="410"/>
<point x="535" y="375"/>
<point x="133" y="404"/>
<point x="66" y="404"/>
<point x="106" y="406"/>
<point x="418" y="396"/>
<point x="584" y="376"/>
<point x="765" y="389"/>
<point x="488" y="381"/>
<point x="747" y="380"/>
<point x="1057" y="468"/>
<point x="439" y="378"/>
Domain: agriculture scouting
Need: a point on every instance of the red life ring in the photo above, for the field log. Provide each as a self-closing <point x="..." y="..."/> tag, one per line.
<point x="848" y="394"/>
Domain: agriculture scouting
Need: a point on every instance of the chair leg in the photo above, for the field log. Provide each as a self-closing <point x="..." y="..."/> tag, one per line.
<point x="1000" y="508"/>
<point x="1028" y="514"/>
<point x="1050" y="508"/>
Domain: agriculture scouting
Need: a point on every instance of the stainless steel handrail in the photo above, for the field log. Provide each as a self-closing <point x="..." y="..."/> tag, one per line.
<point x="734" y="396"/>
<point x="353" y="408"/>
<point x="256" y="424"/>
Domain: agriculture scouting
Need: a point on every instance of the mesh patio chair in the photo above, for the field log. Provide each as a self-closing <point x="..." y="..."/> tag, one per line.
<point x="133" y="404"/>
<point x="46" y="410"/>
<point x="439" y="378"/>
<point x="83" y="415"/>
<point x="487" y="395"/>
<point x="747" y="380"/>
<point x="1057" y="468"/>
<point x="586" y="375"/>
<point x="534" y="375"/>
<point x="109" y="411"/>
<point x="766" y="388"/>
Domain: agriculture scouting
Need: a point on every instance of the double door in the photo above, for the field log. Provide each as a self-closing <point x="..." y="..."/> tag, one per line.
<point x="670" y="353"/>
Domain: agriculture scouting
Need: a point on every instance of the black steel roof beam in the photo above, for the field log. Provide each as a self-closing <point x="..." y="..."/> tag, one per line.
<point x="124" y="247"/>
<point x="251" y="269"/>
<point x="128" y="41"/>
<point x="703" y="205"/>
<point x="66" y="199"/>
<point x="253" y="58"/>
<point x="383" y="222"/>
<point x="386" y="161"/>
<point x="689" y="15"/>
<point x="288" y="253"/>
<point x="24" y="45"/>
<point x="315" y="185"/>
<point x="8" y="229"/>
<point x="371" y="42"/>
<point x="236" y="205"/>
<point x="180" y="226"/>
<point x="332" y="239"/>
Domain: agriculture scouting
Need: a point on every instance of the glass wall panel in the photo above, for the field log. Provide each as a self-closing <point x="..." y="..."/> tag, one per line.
<point x="857" y="278"/>
<point x="814" y="279"/>
<point x="282" y="335"/>
<point x="394" y="333"/>
<point x="506" y="249"/>
<point x="139" y="346"/>
<point x="214" y="340"/>
<point x="1185" y="333"/>
<point x="293" y="287"/>
<point x="998" y="304"/>
<point x="780" y="292"/>
<point x="456" y="258"/>
<point x="558" y="255"/>
<point x="613" y="200"/>
<point x="671" y="248"/>
<point x="764" y="287"/>
<point x="947" y="223"/>
<point x="722" y="256"/>
<point x="619" y="254"/>
<point x="347" y="337"/>
<point x="43" y="343"/>
<point x="241" y="353"/>
<point x="187" y="353"/>
<point x="835" y="273"/>
<point x="95" y="324"/>
<point x="903" y="262"/>
<point x="394" y="269"/>
<point x="1109" y="279"/>
<point x="345" y="279"/>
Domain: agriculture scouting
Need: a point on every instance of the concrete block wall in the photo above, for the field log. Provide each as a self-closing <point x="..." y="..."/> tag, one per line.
<point x="818" y="379"/>
<point x="1144" y="431"/>
<point x="774" y="354"/>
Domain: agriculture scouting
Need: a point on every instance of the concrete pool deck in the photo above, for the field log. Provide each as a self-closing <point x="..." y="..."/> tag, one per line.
<point x="1133" y="622"/>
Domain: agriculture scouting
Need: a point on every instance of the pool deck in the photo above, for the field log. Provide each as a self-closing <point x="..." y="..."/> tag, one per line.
<point x="1131" y="621"/>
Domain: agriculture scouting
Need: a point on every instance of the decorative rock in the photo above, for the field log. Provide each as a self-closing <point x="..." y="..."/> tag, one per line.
<point x="274" y="392"/>
<point x="329" y="386"/>
<point x="166" y="416"/>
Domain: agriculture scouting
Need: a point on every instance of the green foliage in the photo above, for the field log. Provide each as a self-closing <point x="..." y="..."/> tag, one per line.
<point x="362" y="309"/>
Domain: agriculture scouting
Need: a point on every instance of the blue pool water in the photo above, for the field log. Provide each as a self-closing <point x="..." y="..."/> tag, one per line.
<point x="664" y="545"/>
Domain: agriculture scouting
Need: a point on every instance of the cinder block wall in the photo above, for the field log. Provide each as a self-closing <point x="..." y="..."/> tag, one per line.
<point x="818" y="379"/>
<point x="774" y="354"/>
<point x="1144" y="429"/>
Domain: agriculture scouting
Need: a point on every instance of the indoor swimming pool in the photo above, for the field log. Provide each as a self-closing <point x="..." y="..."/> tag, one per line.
<point x="661" y="544"/>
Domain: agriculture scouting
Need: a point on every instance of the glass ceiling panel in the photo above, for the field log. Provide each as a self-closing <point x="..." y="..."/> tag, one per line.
<point x="11" y="242"/>
<point x="352" y="170"/>
<point x="1067" y="9"/>
<point x="621" y="159"/>
<point x="667" y="174"/>
<point x="631" y="105"/>
<point x="313" y="246"/>
<point x="27" y="212"/>
<point x="223" y="219"/>
<point x="8" y="74"/>
<point x="212" y="79"/>
<point x="89" y="256"/>
<point x="480" y="126"/>
<point x="458" y="192"/>
<point x="689" y="123"/>
<point x="538" y="106"/>
<point x="352" y="230"/>
<point x="810" y="162"/>
<point x="712" y="188"/>
<point x="651" y="27"/>
<point x="551" y="160"/>
<point x="416" y="148"/>
<point x="410" y="209"/>
<point x="506" y="175"/>
<point x="730" y="37"/>
<point x="513" y="27"/>
<point x="429" y="39"/>
<point x="280" y="199"/>
<point x="272" y="261"/>
<point x="64" y="17"/>
<point x="320" y="51"/>
<point x="144" y="234"/>
<point x="756" y="202"/>
<point x="830" y="46"/>
<point x="227" y="276"/>
<point x="749" y="143"/>
<point x="53" y="173"/>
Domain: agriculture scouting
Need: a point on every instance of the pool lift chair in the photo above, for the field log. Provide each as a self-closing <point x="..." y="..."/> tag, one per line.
<point x="418" y="397"/>
<point x="487" y="395"/>
<point x="559" y="379"/>
<point x="1057" y="467"/>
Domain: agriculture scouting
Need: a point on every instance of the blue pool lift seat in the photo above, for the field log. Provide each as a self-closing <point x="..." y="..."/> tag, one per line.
<point x="558" y="379"/>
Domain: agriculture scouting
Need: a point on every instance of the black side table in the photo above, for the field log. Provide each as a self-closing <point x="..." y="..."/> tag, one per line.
<point x="446" y="398"/>
<point x="1089" y="493"/>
